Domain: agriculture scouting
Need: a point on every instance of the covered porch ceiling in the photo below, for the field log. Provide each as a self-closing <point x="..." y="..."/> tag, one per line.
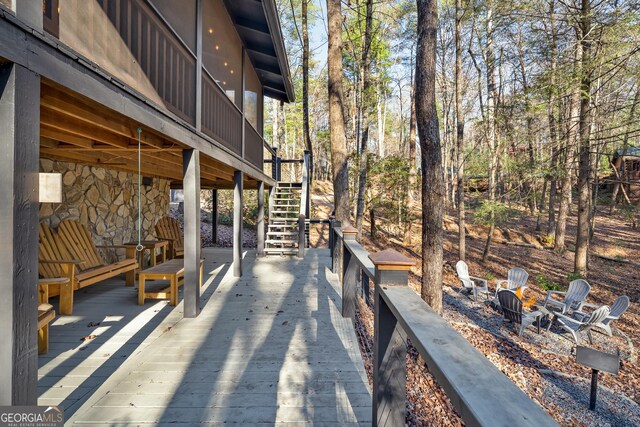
<point x="76" y="129"/>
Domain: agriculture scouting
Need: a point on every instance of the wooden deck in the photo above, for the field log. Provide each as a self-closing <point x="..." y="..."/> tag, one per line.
<point x="268" y="348"/>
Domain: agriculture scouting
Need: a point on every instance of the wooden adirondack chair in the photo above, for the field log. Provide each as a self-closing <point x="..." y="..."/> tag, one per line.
<point x="168" y="228"/>
<point x="46" y="314"/>
<point x="71" y="253"/>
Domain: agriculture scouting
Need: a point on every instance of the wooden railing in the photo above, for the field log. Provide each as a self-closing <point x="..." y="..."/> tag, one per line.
<point x="165" y="59"/>
<point x="481" y="394"/>
<point x="253" y="146"/>
<point x="221" y="119"/>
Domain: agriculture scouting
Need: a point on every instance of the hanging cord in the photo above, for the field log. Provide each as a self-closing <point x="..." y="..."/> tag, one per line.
<point x="139" y="248"/>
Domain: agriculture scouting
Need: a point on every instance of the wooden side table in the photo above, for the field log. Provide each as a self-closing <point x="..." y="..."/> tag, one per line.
<point x="173" y="271"/>
<point x="150" y="245"/>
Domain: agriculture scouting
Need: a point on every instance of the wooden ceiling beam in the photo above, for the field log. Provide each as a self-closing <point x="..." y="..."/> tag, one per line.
<point x="70" y="106"/>
<point x="62" y="136"/>
<point x="74" y="127"/>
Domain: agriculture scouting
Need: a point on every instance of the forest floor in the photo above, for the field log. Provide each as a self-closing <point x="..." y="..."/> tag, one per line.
<point x="543" y="366"/>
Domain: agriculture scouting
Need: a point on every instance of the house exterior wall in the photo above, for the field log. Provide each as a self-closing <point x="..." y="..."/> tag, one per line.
<point x="107" y="202"/>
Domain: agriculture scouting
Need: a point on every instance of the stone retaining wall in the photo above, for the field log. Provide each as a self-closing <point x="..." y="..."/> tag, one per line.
<point x="107" y="201"/>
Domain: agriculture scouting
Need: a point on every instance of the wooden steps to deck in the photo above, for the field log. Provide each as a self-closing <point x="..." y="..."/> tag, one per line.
<point x="282" y="235"/>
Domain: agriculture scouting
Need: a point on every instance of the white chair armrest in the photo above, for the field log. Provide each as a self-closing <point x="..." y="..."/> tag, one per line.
<point x="586" y="304"/>
<point x="479" y="279"/>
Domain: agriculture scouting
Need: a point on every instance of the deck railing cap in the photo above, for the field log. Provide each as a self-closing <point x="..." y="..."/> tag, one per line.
<point x="390" y="259"/>
<point x="349" y="230"/>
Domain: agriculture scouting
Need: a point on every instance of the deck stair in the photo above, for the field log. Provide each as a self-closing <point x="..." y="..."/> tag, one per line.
<point x="282" y="235"/>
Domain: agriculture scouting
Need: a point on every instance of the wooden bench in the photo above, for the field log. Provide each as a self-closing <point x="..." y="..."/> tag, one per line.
<point x="168" y="228"/>
<point x="173" y="271"/>
<point x="70" y="252"/>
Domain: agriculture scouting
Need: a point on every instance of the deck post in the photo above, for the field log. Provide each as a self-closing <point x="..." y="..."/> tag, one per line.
<point x="274" y="163"/>
<point x="389" y="347"/>
<point x="337" y="247"/>
<point x="192" y="242"/>
<point x="349" y="271"/>
<point x="20" y="142"/>
<point x="278" y="168"/>
<point x="260" y="221"/>
<point x="237" y="223"/>
<point x="214" y="216"/>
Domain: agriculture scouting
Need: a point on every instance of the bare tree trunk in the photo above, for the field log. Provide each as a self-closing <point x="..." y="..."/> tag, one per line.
<point x="433" y="196"/>
<point x="336" y="115"/>
<point x="282" y="127"/>
<point x="367" y="101"/>
<point x="460" y="135"/>
<point x="569" y="149"/>
<point x="275" y="130"/>
<point x="412" y="140"/>
<point x="305" y="77"/>
<point x="491" y="129"/>
<point x="584" y="171"/>
<point x="553" y="120"/>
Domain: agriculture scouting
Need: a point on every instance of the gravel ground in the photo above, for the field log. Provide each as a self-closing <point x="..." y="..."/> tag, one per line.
<point x="538" y="364"/>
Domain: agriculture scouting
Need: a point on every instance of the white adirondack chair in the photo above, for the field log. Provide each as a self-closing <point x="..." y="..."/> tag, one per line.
<point x="516" y="278"/>
<point x="573" y="298"/>
<point x="575" y="326"/>
<point x="471" y="284"/>
<point x="620" y="305"/>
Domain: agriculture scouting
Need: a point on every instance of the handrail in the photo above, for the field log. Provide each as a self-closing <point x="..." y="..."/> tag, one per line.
<point x="481" y="394"/>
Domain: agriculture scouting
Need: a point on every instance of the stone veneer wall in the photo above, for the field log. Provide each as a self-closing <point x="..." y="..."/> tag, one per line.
<point x="107" y="201"/>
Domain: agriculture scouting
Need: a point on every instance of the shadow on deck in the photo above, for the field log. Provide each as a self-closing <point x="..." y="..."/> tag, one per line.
<point x="270" y="347"/>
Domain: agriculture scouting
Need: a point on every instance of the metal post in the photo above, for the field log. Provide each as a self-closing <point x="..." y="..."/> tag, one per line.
<point x="260" y="221"/>
<point x="237" y="223"/>
<point x="20" y="142"/>
<point x="389" y="349"/>
<point x="214" y="216"/>
<point x="301" y="236"/>
<point x="594" y="389"/>
<point x="349" y="271"/>
<point x="192" y="242"/>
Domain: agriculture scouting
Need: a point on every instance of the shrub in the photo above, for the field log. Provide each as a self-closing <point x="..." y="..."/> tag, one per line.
<point x="547" y="284"/>
<point x="573" y="276"/>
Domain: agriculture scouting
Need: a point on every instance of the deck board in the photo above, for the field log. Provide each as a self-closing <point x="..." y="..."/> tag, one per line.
<point x="270" y="348"/>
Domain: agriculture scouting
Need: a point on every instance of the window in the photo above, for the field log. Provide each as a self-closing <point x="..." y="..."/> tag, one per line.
<point x="51" y="17"/>
<point x="222" y="49"/>
<point x="252" y="96"/>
